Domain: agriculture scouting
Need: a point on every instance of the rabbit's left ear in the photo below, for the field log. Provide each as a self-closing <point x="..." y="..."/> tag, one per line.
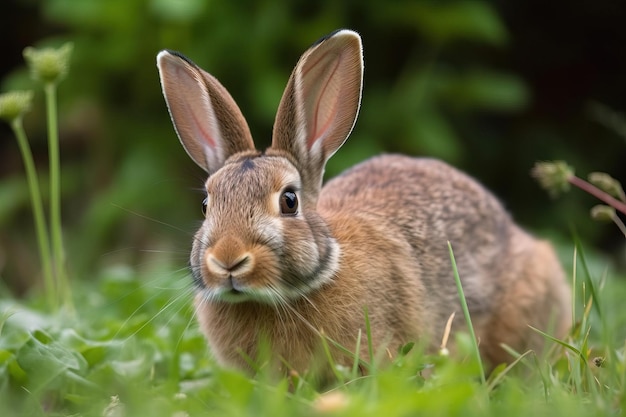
<point x="320" y="104"/>
<point x="208" y="122"/>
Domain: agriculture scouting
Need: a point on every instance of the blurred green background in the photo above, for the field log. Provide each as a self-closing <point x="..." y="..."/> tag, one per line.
<point x="490" y="87"/>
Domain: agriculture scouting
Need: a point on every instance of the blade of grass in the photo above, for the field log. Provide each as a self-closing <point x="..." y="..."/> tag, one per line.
<point x="466" y="313"/>
<point x="560" y="342"/>
<point x="249" y="361"/>
<point x="544" y="379"/>
<point x="566" y="345"/>
<point x="368" y="332"/>
<point x="355" y="365"/>
<point x="587" y="272"/>
<point x="496" y="380"/>
<point x="331" y="361"/>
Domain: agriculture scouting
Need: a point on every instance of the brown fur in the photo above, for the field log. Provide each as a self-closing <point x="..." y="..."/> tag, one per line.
<point x="373" y="238"/>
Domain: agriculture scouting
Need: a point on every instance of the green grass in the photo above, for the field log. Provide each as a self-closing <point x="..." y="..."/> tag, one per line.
<point x="132" y="348"/>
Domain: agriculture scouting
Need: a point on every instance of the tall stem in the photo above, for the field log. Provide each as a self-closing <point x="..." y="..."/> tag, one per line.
<point x="55" y="195"/>
<point x="38" y="214"/>
<point x="597" y="193"/>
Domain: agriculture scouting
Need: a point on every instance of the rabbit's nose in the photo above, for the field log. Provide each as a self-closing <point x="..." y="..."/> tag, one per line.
<point x="229" y="257"/>
<point x="229" y="266"/>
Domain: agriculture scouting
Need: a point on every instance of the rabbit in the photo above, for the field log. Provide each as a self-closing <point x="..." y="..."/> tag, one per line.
<point x="283" y="262"/>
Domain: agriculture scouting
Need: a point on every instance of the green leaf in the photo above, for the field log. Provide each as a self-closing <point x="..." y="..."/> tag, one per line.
<point x="45" y="362"/>
<point x="93" y="351"/>
<point x="406" y="348"/>
<point x="9" y="362"/>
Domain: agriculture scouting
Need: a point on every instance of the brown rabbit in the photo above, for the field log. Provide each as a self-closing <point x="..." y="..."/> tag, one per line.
<point x="282" y="260"/>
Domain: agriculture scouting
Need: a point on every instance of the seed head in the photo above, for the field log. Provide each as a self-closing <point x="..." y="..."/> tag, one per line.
<point x="553" y="176"/>
<point x="603" y="213"/>
<point x="49" y="65"/>
<point x="607" y="184"/>
<point x="14" y="104"/>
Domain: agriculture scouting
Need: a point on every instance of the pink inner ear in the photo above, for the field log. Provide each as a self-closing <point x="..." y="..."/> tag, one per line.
<point x="198" y="107"/>
<point x="202" y="133"/>
<point x="323" y="97"/>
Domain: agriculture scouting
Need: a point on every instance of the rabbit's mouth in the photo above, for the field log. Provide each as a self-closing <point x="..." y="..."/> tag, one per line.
<point x="233" y="289"/>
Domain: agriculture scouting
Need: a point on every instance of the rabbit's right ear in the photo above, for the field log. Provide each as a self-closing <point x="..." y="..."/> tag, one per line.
<point x="320" y="104"/>
<point x="207" y="121"/>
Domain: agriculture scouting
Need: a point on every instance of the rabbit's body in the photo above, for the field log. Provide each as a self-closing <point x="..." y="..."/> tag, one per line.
<point x="281" y="260"/>
<point x="397" y="264"/>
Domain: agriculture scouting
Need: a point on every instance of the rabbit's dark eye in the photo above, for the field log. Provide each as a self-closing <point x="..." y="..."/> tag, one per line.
<point x="205" y="202"/>
<point x="289" y="203"/>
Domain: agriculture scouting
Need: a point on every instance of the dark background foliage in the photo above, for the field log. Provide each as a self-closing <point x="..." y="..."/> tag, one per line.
<point x="490" y="87"/>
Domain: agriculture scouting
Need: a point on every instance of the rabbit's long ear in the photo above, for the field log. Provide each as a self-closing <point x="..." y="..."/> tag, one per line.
<point x="320" y="104"/>
<point x="208" y="122"/>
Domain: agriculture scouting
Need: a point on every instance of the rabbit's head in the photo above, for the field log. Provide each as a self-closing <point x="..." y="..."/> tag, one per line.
<point x="262" y="239"/>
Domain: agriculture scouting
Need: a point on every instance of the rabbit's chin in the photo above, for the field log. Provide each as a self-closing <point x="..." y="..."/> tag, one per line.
<point x="268" y="295"/>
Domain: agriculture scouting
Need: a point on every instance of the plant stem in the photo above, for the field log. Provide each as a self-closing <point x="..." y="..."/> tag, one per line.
<point x="620" y="224"/>
<point x="55" y="195"/>
<point x="466" y="313"/>
<point x="38" y="214"/>
<point x="597" y="193"/>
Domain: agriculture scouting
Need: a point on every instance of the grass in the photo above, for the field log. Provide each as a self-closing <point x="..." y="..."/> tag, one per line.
<point x="133" y="348"/>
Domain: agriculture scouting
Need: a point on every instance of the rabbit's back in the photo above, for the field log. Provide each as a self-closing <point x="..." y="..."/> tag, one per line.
<point x="427" y="203"/>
